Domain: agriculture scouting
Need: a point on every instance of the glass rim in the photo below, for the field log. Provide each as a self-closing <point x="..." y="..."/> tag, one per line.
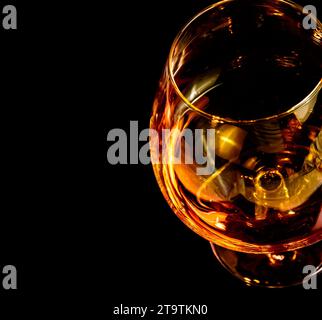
<point x="176" y="41"/>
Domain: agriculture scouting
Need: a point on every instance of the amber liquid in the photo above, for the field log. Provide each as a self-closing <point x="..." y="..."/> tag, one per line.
<point x="265" y="195"/>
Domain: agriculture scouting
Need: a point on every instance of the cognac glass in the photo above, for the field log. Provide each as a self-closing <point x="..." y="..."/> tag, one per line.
<point x="250" y="72"/>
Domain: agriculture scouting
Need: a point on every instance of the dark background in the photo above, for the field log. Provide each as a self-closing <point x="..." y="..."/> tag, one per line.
<point x="72" y="224"/>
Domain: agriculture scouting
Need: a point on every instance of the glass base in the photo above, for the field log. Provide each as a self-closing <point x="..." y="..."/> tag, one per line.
<point x="272" y="270"/>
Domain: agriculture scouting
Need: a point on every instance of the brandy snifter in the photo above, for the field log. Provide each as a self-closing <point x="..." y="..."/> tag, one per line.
<point x="251" y="72"/>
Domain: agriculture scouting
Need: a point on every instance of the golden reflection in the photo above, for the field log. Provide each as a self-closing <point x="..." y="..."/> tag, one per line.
<point x="229" y="141"/>
<point x="275" y="258"/>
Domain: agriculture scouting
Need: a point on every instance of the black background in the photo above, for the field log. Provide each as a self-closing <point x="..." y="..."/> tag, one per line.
<point x="72" y="224"/>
